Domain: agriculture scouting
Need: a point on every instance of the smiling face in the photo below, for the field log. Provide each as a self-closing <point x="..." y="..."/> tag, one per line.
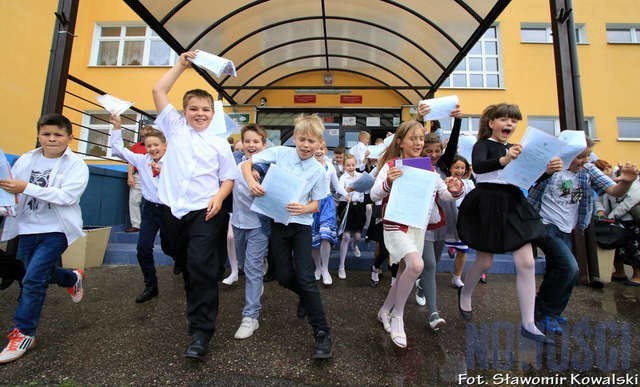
<point x="198" y="112"/>
<point x="320" y="152"/>
<point x="432" y="150"/>
<point x="156" y="148"/>
<point x="350" y="165"/>
<point x="338" y="158"/>
<point x="251" y="143"/>
<point x="306" y="144"/>
<point x="458" y="169"/>
<point x="502" y="128"/>
<point x="53" y="140"/>
<point x="412" y="143"/>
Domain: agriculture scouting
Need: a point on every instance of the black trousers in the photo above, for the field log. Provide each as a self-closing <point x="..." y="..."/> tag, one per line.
<point x="195" y="244"/>
<point x="293" y="264"/>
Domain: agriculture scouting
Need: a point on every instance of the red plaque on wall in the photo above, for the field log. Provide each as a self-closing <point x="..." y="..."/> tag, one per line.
<point x="350" y="99"/>
<point x="304" y="98"/>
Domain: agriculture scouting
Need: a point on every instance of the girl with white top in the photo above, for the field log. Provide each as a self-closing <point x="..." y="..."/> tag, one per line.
<point x="356" y="215"/>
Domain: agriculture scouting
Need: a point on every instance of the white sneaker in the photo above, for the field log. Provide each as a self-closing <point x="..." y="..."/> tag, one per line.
<point x="230" y="280"/>
<point x="342" y="274"/>
<point x="317" y="274"/>
<point x="247" y="327"/>
<point x="326" y="278"/>
<point x="420" y="298"/>
<point x="18" y="345"/>
<point x="356" y="251"/>
<point x="435" y="321"/>
<point x="77" y="291"/>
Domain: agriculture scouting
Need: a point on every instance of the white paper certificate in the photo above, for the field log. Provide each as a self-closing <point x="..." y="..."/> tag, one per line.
<point x="216" y="64"/>
<point x="538" y="148"/>
<point x="113" y="105"/>
<point x="575" y="143"/>
<point x="440" y="107"/>
<point x="412" y="197"/>
<point x="281" y="188"/>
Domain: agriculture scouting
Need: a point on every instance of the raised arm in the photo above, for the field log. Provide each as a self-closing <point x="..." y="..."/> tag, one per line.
<point x="161" y="89"/>
<point x="118" y="149"/>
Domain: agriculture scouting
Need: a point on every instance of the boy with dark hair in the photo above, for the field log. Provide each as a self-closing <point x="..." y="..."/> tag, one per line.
<point x="198" y="172"/>
<point x="49" y="181"/>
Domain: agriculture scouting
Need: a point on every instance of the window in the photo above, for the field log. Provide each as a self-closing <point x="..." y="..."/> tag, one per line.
<point x="470" y="125"/>
<point x="629" y="129"/>
<point x="623" y="33"/>
<point x="551" y="125"/>
<point x="541" y="33"/>
<point x="94" y="136"/>
<point x="482" y="67"/>
<point x="129" y="45"/>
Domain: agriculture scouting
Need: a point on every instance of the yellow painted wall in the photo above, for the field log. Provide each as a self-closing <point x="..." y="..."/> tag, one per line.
<point x="27" y="31"/>
<point x="609" y="72"/>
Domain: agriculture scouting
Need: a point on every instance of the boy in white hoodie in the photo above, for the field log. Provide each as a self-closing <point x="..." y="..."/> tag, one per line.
<point x="49" y="182"/>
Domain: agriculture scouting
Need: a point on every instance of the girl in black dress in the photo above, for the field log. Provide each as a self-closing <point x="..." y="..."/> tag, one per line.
<point x="496" y="218"/>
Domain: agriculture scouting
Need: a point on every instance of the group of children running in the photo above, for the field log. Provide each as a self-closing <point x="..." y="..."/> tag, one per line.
<point x="186" y="185"/>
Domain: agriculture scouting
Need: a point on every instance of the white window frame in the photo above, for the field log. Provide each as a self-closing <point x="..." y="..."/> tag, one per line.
<point x="637" y="119"/>
<point x="581" y="33"/>
<point x="467" y="128"/>
<point x="84" y="146"/>
<point x="634" y="30"/>
<point x="148" y="37"/>
<point x="589" y="122"/>
<point x="448" y="83"/>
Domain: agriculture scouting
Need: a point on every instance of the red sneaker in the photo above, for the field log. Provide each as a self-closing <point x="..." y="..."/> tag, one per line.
<point x="76" y="291"/>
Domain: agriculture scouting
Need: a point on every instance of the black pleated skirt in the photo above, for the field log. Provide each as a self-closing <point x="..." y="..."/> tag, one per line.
<point x="496" y="218"/>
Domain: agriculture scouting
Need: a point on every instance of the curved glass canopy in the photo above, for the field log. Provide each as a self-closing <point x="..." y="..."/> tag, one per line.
<point x="408" y="46"/>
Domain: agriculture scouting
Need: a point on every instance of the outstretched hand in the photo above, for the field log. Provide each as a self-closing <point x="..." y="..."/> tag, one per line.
<point x="628" y="173"/>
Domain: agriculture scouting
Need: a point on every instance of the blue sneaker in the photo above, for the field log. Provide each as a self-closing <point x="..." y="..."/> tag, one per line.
<point x="549" y="325"/>
<point x="561" y="320"/>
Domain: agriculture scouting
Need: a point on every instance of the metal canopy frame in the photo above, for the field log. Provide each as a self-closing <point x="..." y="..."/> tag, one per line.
<point x="408" y="46"/>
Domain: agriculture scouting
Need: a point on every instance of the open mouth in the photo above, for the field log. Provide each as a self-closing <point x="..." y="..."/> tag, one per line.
<point x="506" y="131"/>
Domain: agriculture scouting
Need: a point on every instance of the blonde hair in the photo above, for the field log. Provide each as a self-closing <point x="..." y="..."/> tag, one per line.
<point x="492" y="112"/>
<point x="309" y="124"/>
<point x="394" y="148"/>
<point x="348" y="156"/>
<point x="196" y="93"/>
<point x="363" y="134"/>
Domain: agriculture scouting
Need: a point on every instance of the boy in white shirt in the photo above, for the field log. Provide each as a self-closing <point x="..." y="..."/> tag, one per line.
<point x="360" y="151"/>
<point x="198" y="171"/>
<point x="49" y="181"/>
<point x="291" y="244"/>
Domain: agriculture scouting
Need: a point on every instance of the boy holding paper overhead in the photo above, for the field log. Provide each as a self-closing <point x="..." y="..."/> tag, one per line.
<point x="563" y="198"/>
<point x="291" y="239"/>
<point x="198" y="171"/>
<point x="405" y="242"/>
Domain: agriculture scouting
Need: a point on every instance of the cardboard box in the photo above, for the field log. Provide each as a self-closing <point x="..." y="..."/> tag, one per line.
<point x="89" y="250"/>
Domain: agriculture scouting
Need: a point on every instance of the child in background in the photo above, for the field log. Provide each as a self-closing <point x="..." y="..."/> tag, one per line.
<point x="496" y="218"/>
<point x="360" y="151"/>
<point x="338" y="160"/>
<point x="323" y="229"/>
<point x="251" y="232"/>
<point x="198" y="171"/>
<point x="404" y="242"/>
<point x="459" y="168"/>
<point x="49" y="181"/>
<point x="156" y="146"/>
<point x="355" y="217"/>
<point x="290" y="243"/>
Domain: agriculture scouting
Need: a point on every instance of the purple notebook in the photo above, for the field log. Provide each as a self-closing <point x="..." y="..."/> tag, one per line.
<point x="418" y="162"/>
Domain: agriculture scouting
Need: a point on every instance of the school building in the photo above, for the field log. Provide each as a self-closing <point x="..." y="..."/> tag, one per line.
<point x="116" y="52"/>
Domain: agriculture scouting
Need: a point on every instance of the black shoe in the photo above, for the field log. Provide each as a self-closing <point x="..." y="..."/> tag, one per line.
<point x="542" y="339"/>
<point x="198" y="347"/>
<point x="177" y="269"/>
<point x="148" y="293"/>
<point x="466" y="315"/>
<point x="322" y="347"/>
<point x="5" y="283"/>
<point x="267" y="277"/>
<point x="301" y="312"/>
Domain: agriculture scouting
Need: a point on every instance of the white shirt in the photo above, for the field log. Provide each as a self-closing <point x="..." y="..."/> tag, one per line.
<point x="331" y="178"/>
<point x="38" y="217"/>
<point x="347" y="180"/>
<point x="67" y="181"/>
<point x="309" y="170"/>
<point x="148" y="183"/>
<point x="358" y="152"/>
<point x="242" y="217"/>
<point x="560" y="201"/>
<point x="194" y="166"/>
